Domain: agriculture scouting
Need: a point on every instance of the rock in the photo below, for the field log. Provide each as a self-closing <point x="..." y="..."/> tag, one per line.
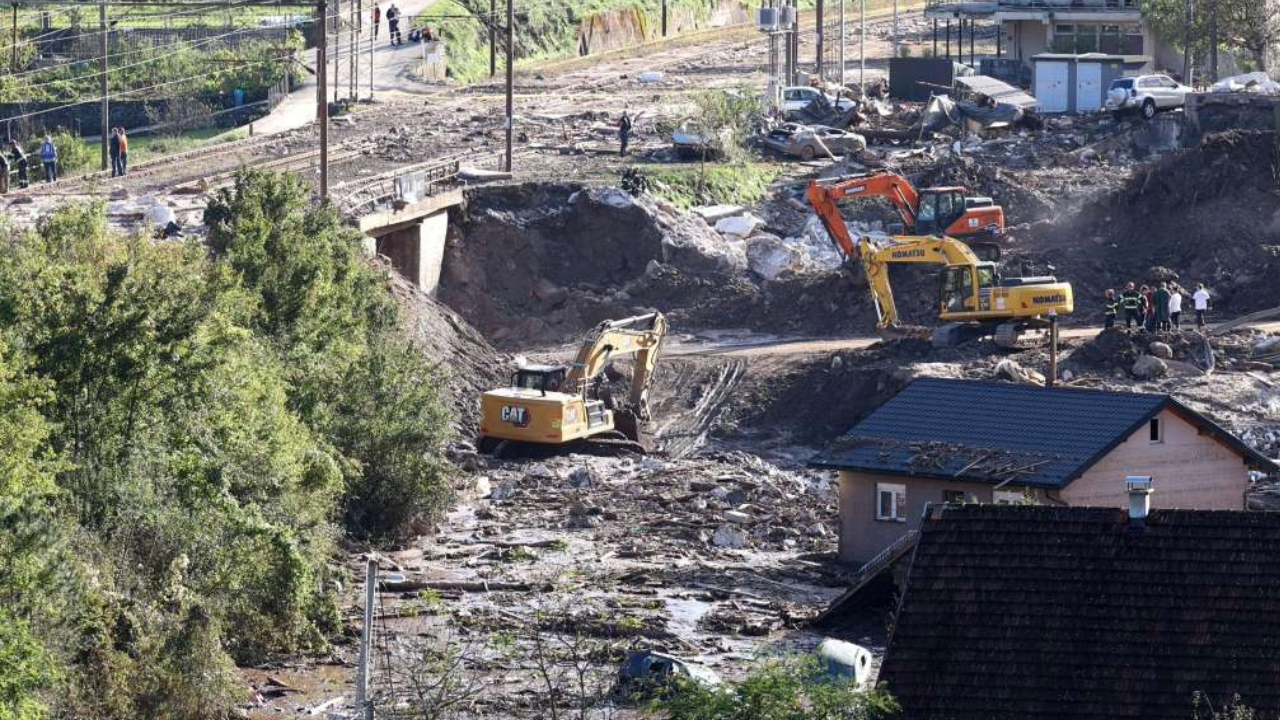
<point x="1160" y="350"/>
<point x="581" y="477"/>
<point x="715" y="213"/>
<point x="1149" y="367"/>
<point x="550" y="293"/>
<point x="769" y="257"/>
<point x="482" y="487"/>
<point x="1007" y="369"/>
<point x="119" y="194"/>
<point x="837" y="363"/>
<point x="1068" y="376"/>
<point x="741" y="225"/>
<point x="540" y="471"/>
<point x="737" y="516"/>
<point x="729" y="536"/>
<point x="817" y="530"/>
<point x="504" y="491"/>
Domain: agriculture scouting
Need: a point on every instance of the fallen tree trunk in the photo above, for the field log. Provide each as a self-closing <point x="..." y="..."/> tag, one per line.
<point x="455" y="585"/>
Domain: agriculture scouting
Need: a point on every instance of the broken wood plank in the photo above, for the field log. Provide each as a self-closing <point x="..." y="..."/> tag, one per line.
<point x="456" y="585"/>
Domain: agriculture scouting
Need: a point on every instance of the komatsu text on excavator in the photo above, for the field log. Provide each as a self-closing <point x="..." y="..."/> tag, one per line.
<point x="562" y="406"/>
<point x="946" y="211"/>
<point x="974" y="299"/>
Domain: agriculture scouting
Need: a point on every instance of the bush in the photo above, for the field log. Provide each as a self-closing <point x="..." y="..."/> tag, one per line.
<point x="789" y="689"/>
<point x="191" y="425"/>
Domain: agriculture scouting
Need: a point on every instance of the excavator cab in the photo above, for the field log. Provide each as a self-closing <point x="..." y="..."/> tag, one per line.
<point x="939" y="209"/>
<point x="962" y="287"/>
<point x="540" y="378"/>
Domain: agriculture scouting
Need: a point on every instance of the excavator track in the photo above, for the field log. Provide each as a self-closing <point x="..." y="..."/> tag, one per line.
<point x="1015" y="336"/>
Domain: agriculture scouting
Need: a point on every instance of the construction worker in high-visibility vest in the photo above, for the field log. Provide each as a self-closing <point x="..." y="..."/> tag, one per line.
<point x="1134" y="305"/>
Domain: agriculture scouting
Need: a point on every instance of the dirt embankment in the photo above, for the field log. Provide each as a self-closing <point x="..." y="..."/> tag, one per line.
<point x="1209" y="215"/>
<point x="469" y="363"/>
<point x="540" y="263"/>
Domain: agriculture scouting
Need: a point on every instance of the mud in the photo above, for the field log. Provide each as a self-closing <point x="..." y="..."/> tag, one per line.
<point x="1208" y="214"/>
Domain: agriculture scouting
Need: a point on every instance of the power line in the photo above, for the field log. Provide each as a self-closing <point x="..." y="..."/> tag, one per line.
<point x="230" y="4"/>
<point x="191" y="44"/>
<point x="143" y="89"/>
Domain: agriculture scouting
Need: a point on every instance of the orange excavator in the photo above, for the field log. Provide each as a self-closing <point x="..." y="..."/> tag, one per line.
<point x="942" y="211"/>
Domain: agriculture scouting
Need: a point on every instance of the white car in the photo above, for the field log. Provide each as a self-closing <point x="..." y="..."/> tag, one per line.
<point x="1146" y="95"/>
<point x="798" y="97"/>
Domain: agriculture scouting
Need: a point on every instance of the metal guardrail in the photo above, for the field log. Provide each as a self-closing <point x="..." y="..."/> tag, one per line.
<point x="1117" y="5"/>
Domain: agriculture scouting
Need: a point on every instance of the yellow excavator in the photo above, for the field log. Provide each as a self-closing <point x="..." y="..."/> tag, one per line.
<point x="571" y="407"/>
<point x="975" y="300"/>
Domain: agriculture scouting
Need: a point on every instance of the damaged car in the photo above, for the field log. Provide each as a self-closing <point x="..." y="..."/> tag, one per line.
<point x="813" y="141"/>
<point x="648" y="673"/>
<point x="691" y="142"/>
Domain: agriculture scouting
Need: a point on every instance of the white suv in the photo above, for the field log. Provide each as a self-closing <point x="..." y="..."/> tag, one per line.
<point x="798" y="97"/>
<point x="1146" y="94"/>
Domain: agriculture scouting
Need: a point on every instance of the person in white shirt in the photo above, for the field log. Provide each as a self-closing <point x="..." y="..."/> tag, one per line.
<point x="1175" y="306"/>
<point x="1201" y="299"/>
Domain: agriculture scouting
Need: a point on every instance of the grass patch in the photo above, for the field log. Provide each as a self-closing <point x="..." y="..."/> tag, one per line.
<point x="150" y="147"/>
<point x="687" y="186"/>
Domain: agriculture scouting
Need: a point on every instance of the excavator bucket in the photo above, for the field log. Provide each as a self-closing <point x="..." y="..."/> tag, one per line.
<point x="626" y="422"/>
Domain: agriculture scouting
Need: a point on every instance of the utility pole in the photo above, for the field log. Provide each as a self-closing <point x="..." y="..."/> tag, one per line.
<point x="818" y="51"/>
<point x="106" y="103"/>
<point x="371" y="39"/>
<point x="511" y="78"/>
<point x="337" y="45"/>
<point x="664" y="16"/>
<point x="1213" y="41"/>
<point x="1188" y="17"/>
<point x="895" y="29"/>
<point x="354" y="34"/>
<point x="493" y="37"/>
<point x="363" y="705"/>
<point x="842" y="40"/>
<point x="862" y="46"/>
<point x="1052" y="378"/>
<point x="322" y="93"/>
<point x="15" y="37"/>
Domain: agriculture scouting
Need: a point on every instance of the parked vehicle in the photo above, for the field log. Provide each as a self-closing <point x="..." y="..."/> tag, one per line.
<point x="808" y="141"/>
<point x="798" y="97"/>
<point x="1146" y="95"/>
<point x="647" y="673"/>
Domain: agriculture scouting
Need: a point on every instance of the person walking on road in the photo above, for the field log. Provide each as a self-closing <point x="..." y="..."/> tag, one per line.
<point x="20" y="163"/>
<point x="624" y="132"/>
<point x="1161" y="299"/>
<point x="49" y="158"/>
<point x="1109" y="306"/>
<point x="1131" y="301"/>
<point x="1201" y="300"/>
<point x="377" y="20"/>
<point x="393" y="25"/>
<point x="1175" y="306"/>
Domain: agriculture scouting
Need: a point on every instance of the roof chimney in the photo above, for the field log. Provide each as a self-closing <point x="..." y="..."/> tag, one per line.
<point x="1140" y="489"/>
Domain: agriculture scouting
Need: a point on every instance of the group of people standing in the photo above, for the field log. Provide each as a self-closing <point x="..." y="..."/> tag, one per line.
<point x="118" y="149"/>
<point x="1154" y="307"/>
<point x="14" y="161"/>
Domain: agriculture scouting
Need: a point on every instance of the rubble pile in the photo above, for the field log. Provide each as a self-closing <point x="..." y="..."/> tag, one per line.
<point x="1208" y="213"/>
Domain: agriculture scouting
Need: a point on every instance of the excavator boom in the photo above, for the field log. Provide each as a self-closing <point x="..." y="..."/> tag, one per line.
<point x="641" y="336"/>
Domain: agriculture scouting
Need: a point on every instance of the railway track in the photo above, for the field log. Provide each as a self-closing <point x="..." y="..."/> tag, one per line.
<point x="218" y="164"/>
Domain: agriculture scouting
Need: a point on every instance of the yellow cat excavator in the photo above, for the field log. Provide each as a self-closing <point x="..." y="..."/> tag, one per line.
<point x="975" y="301"/>
<point x="571" y="406"/>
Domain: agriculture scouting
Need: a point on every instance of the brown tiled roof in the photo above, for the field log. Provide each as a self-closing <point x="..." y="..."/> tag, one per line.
<point x="1014" y="612"/>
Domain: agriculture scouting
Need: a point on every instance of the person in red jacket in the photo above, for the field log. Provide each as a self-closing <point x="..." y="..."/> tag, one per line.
<point x="377" y="20"/>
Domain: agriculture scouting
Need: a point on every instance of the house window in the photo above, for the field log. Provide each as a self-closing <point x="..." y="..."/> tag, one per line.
<point x="891" y="502"/>
<point x="1121" y="40"/>
<point x="1010" y="497"/>
<point x="955" y="497"/>
<point x="1075" y="38"/>
<point x="1155" y="431"/>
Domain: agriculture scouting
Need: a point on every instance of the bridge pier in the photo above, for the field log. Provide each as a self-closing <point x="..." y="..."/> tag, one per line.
<point x="413" y="237"/>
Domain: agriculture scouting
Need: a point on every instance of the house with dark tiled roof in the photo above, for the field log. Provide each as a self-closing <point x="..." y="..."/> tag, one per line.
<point x="1073" y="613"/>
<point x="964" y="441"/>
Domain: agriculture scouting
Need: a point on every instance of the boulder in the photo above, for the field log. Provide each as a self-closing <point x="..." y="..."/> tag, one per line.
<point x="1160" y="350"/>
<point x="729" y="536"/>
<point x="1149" y="367"/>
<point x="1007" y="369"/>
<point x="769" y="257"/>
